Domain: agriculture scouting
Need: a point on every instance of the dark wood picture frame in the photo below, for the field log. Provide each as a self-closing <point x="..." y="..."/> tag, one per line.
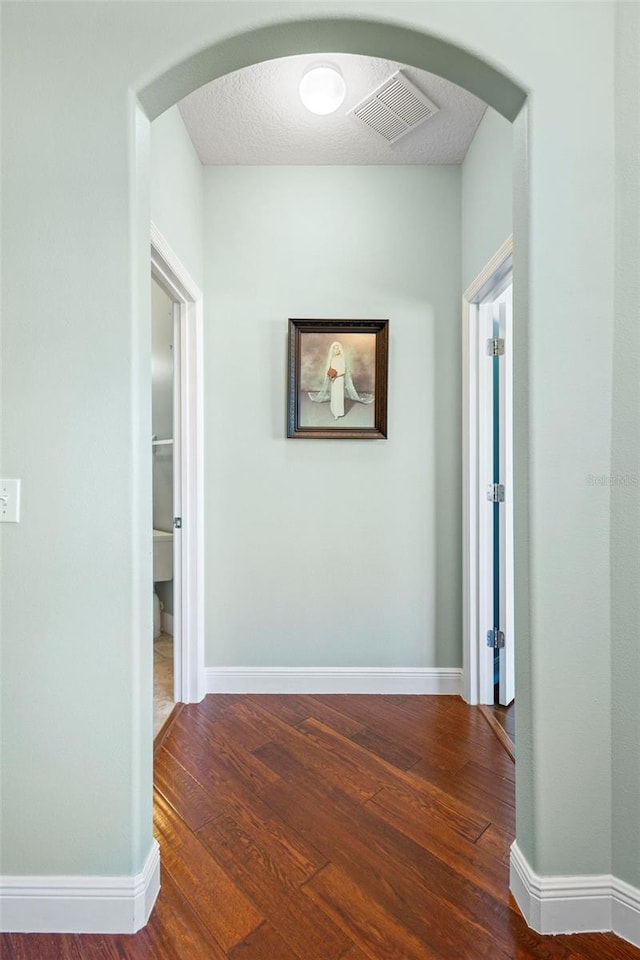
<point x="345" y="402"/>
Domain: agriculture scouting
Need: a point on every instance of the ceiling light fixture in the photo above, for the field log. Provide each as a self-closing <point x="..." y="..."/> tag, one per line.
<point x="322" y="89"/>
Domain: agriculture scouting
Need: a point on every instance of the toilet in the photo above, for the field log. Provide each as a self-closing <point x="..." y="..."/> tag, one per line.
<point x="162" y="571"/>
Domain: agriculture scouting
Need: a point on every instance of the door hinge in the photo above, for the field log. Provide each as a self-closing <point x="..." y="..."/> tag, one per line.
<point x="177" y="522"/>
<point x="495" y="347"/>
<point x="495" y="492"/>
<point x="495" y="638"/>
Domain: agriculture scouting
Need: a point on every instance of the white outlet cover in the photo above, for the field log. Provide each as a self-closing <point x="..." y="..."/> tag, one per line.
<point x="9" y="501"/>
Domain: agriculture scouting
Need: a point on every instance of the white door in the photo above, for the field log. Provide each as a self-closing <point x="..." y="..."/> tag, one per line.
<point x="495" y="507"/>
<point x="487" y="517"/>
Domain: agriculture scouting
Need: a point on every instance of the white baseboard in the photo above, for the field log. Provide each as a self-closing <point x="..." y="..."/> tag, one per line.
<point x="575" y="904"/>
<point x="67" y="904"/>
<point x="166" y="623"/>
<point x="625" y="911"/>
<point x="412" y="680"/>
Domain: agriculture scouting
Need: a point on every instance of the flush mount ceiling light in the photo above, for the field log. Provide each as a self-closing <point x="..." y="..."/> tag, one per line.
<point x="322" y="89"/>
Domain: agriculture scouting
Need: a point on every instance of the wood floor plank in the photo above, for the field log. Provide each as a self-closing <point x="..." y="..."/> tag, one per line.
<point x="234" y="729"/>
<point x="407" y="816"/>
<point x="225" y="911"/>
<point x="6" y="950"/>
<point x="503" y="736"/>
<point x="195" y="760"/>
<point x="446" y="716"/>
<point x="388" y="877"/>
<point x="389" y="719"/>
<point x="473" y="746"/>
<point x="324" y="758"/>
<point x="446" y="801"/>
<point x="293" y="856"/>
<point x="233" y="798"/>
<point x="309" y="932"/>
<point x="413" y="869"/>
<point x="387" y="748"/>
<point x="139" y="946"/>
<point x="496" y="842"/>
<point x="472" y="793"/>
<point x="232" y="726"/>
<point x="489" y="782"/>
<point x="188" y="797"/>
<point x="215" y="706"/>
<point x="227" y="756"/>
<point x="355" y="954"/>
<point x="497" y="762"/>
<point x="175" y="931"/>
<point x="442" y="733"/>
<point x="526" y="944"/>
<point x="190" y="745"/>
<point x="381" y="717"/>
<point x="272" y="857"/>
<point x="379" y="934"/>
<point x="27" y="946"/>
<point x="290" y="709"/>
<point x="599" y="946"/>
<point x="265" y="944"/>
<point x="264" y="721"/>
<point x="334" y="718"/>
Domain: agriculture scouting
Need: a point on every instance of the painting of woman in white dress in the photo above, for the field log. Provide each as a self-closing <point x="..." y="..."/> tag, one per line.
<point x="338" y="382"/>
<point x="337" y="378"/>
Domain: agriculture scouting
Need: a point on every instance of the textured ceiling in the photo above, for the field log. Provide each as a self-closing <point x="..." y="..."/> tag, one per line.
<point x="255" y="116"/>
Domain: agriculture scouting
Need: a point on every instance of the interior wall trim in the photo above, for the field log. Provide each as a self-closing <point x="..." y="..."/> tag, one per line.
<point x="575" y="904"/>
<point x="380" y="680"/>
<point x="68" y="904"/>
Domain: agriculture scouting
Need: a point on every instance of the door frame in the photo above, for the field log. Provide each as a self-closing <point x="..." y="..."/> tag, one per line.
<point x="475" y="574"/>
<point x="175" y="280"/>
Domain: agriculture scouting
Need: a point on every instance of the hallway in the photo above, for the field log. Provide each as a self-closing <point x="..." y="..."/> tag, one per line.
<point x="331" y="828"/>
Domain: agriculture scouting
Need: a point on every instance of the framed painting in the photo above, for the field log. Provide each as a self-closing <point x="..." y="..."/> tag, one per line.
<point x="338" y="379"/>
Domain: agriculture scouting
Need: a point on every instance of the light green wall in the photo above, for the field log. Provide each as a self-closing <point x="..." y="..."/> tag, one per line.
<point x="487" y="194"/>
<point x="625" y="467"/>
<point x="570" y="242"/>
<point x="76" y="338"/>
<point x="76" y="714"/>
<point x="176" y="190"/>
<point x="348" y="550"/>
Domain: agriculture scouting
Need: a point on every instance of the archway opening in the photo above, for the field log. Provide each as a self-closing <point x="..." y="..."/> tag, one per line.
<point x="377" y="39"/>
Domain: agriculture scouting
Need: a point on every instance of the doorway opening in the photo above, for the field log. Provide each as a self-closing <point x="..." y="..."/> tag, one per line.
<point x="166" y="586"/>
<point x="373" y="39"/>
<point x="489" y="641"/>
<point x="177" y="451"/>
<point x="408" y="47"/>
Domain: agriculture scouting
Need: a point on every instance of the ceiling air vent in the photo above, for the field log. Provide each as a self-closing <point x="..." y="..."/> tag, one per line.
<point x="395" y="108"/>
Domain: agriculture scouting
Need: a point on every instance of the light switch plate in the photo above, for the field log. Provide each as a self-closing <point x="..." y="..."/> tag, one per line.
<point x="9" y="501"/>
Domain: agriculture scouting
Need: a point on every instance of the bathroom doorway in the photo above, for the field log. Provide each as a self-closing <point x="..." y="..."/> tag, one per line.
<point x="166" y="619"/>
<point x="176" y="451"/>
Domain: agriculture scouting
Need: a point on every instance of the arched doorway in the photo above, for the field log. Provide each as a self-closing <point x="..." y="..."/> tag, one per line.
<point x="366" y="38"/>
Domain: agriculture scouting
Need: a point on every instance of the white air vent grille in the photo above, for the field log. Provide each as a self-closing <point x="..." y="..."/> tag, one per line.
<point x="395" y="108"/>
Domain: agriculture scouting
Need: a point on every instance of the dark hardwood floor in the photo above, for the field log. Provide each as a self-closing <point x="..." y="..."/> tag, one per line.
<point x="331" y="828"/>
<point x="502" y="721"/>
